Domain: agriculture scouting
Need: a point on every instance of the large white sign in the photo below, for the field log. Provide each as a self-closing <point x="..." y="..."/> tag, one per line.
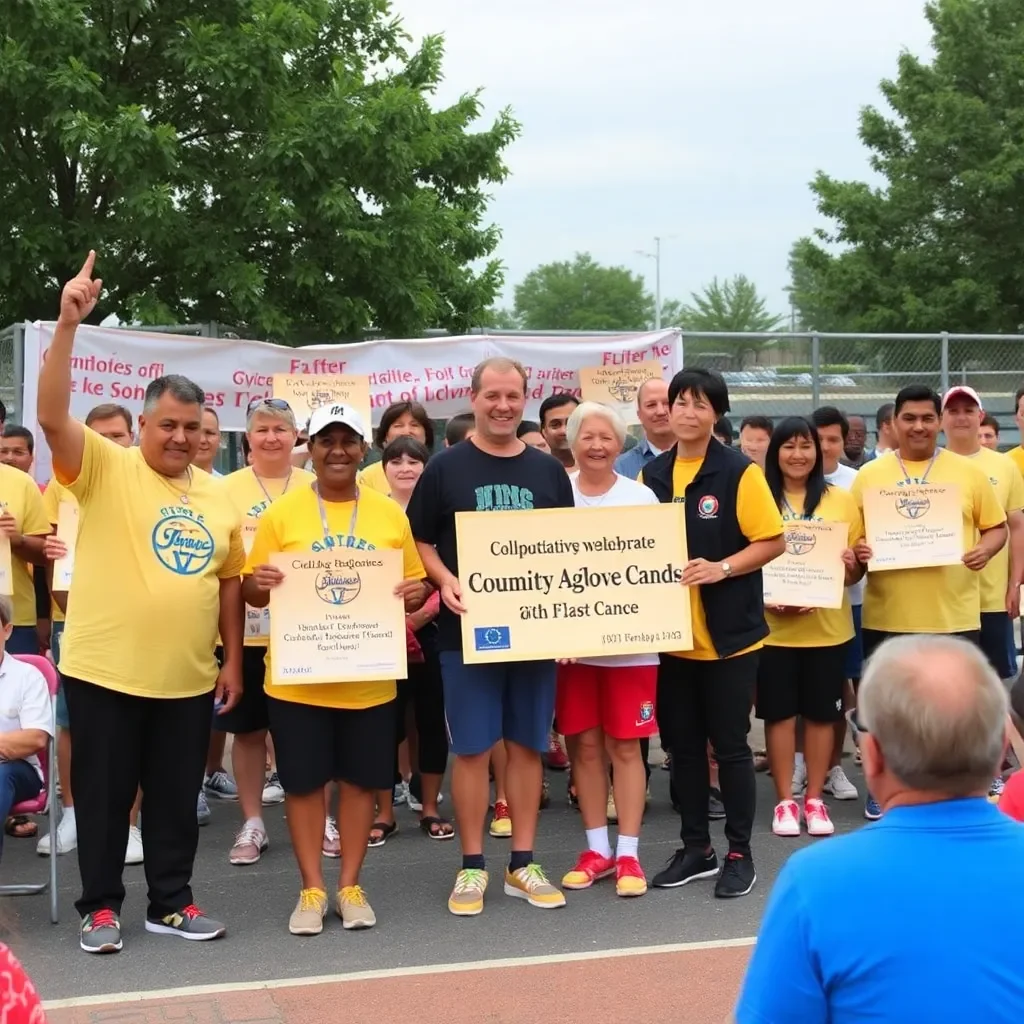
<point x="116" y="365"/>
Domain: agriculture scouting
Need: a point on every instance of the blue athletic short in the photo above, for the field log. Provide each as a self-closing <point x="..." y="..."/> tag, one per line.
<point x="56" y="632"/>
<point x="485" y="703"/>
<point x="993" y="642"/>
<point x="854" y="665"/>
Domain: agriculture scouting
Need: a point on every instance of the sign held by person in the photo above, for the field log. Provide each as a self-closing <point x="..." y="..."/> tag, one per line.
<point x="913" y="526"/>
<point x="810" y="573"/>
<point x="617" y="386"/>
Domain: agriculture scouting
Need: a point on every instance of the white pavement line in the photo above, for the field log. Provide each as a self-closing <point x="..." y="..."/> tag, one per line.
<point x="167" y="994"/>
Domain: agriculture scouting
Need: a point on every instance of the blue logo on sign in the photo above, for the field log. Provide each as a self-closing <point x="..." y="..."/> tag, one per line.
<point x="182" y="545"/>
<point x="338" y="587"/>
<point x="492" y="638"/>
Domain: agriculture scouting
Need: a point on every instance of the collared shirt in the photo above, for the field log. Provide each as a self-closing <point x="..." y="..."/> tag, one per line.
<point x="921" y="954"/>
<point x="24" y="700"/>
<point x="630" y="463"/>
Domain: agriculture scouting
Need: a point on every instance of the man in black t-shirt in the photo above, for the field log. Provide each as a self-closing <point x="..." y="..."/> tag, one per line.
<point x="493" y="471"/>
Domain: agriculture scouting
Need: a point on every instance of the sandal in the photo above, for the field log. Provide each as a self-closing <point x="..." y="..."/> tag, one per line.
<point x="437" y="828"/>
<point x="21" y="827"/>
<point x="383" y="831"/>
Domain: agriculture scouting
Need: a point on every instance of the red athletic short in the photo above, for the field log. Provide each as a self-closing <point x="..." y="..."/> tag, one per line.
<point x="618" y="700"/>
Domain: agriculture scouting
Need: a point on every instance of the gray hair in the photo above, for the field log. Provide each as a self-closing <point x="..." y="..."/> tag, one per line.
<point x="177" y="386"/>
<point x="6" y="610"/>
<point x="938" y="711"/>
<point x="271" y="412"/>
<point x="584" y="411"/>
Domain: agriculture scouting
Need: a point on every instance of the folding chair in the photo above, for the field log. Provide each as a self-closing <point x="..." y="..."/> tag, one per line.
<point x="47" y="798"/>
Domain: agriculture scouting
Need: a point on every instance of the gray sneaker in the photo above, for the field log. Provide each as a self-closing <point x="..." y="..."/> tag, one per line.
<point x="220" y="786"/>
<point x="101" y="932"/>
<point x="189" y="922"/>
<point x="203" y="815"/>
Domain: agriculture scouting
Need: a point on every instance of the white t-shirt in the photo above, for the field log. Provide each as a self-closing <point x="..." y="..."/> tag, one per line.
<point x="843" y="477"/>
<point x="24" y="700"/>
<point x="623" y="492"/>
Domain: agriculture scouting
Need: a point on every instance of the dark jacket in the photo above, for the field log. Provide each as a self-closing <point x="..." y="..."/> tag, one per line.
<point x="734" y="607"/>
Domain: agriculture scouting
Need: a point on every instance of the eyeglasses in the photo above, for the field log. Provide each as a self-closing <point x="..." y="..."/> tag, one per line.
<point x="270" y="403"/>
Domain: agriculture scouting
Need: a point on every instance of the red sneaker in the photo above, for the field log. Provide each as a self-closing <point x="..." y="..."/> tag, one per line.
<point x="590" y="868"/>
<point x="557" y="759"/>
<point x="630" y="879"/>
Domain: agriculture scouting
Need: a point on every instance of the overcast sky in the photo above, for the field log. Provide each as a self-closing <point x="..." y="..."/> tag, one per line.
<point x="698" y="120"/>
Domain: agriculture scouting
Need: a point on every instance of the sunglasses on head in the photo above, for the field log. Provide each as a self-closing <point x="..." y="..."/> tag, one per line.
<point x="270" y="403"/>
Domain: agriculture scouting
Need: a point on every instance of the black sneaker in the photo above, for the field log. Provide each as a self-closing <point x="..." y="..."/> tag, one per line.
<point x="737" y="877"/>
<point x="716" y="809"/>
<point x="189" y="923"/>
<point x="686" y="866"/>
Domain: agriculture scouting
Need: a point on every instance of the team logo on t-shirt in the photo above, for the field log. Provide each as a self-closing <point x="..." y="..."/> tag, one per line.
<point x="502" y="498"/>
<point x="182" y="543"/>
<point x="338" y="586"/>
<point x="707" y="507"/>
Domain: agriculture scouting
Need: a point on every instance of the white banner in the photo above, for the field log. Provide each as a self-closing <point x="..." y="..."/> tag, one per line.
<point x="116" y="365"/>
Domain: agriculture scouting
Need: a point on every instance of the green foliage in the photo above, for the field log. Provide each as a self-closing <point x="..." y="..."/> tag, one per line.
<point x="273" y="164"/>
<point x="583" y="296"/>
<point x="500" y="320"/>
<point x="939" y="246"/>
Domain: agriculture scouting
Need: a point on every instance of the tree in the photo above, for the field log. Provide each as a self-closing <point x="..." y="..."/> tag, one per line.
<point x="940" y="245"/>
<point x="500" y="320"/>
<point x="806" y="292"/>
<point x="274" y="164"/>
<point x="583" y="296"/>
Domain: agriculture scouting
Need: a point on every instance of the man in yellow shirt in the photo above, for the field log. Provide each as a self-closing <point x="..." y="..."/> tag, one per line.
<point x="933" y="599"/>
<point x="733" y="528"/>
<point x="157" y="573"/>
<point x="345" y="731"/>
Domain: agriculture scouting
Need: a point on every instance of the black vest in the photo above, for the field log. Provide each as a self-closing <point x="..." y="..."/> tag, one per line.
<point x="733" y="608"/>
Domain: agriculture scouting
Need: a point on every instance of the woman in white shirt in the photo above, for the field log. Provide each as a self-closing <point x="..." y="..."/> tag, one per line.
<point x="605" y="705"/>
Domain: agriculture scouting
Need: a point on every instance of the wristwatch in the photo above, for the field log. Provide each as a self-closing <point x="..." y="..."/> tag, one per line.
<point x="726" y="569"/>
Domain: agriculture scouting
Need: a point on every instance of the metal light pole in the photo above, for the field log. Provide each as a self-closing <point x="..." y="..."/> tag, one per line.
<point x="656" y="256"/>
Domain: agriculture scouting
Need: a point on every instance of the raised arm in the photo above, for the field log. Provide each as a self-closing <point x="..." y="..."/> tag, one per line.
<point x="64" y="434"/>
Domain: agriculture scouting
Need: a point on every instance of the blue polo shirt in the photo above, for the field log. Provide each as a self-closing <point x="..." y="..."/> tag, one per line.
<point x="913" y="918"/>
<point x="630" y="463"/>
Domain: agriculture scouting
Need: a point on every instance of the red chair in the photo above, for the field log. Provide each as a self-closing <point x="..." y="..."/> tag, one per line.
<point x="47" y="799"/>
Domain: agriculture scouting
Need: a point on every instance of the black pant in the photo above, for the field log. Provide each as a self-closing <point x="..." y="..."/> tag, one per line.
<point x="121" y="742"/>
<point x="425" y="691"/>
<point x="702" y="701"/>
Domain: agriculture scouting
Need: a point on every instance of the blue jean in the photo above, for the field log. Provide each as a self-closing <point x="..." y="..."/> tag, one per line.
<point x="18" y="781"/>
<point x="56" y="635"/>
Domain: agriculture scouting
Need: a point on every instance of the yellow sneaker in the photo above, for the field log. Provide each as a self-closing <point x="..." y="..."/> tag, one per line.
<point x="467" y="898"/>
<point x="354" y="909"/>
<point x="531" y="884"/>
<point x="629" y="877"/>
<point x="501" y="823"/>
<point x="308" y="916"/>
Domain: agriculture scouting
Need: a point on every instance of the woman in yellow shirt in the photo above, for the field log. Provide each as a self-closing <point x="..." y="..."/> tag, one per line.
<point x="802" y="667"/>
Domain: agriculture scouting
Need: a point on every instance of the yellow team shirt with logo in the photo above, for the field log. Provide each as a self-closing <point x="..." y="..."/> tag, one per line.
<point x="292" y="523"/>
<point x="822" y="627"/>
<point x="759" y="519"/>
<point x="933" y="599"/>
<point x="374" y="476"/>
<point x="1004" y="476"/>
<point x="54" y="494"/>
<point x="251" y="500"/>
<point x="19" y="495"/>
<point x="143" y="611"/>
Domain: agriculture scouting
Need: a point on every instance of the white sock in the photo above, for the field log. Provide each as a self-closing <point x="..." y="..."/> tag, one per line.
<point x="626" y="846"/>
<point x="598" y="841"/>
<point x="799" y="758"/>
<point x="69" y="813"/>
<point x="255" y="823"/>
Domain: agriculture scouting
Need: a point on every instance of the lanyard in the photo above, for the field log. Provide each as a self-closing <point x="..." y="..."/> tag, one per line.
<point x="928" y="468"/>
<point x="266" y="493"/>
<point x="323" y="513"/>
<point x="790" y="509"/>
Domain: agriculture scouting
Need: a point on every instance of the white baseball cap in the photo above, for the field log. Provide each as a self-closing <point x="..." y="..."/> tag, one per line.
<point x="328" y="415"/>
<point x="961" y="389"/>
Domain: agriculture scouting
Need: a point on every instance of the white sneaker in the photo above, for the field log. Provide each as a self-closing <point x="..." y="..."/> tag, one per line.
<point x="786" y="819"/>
<point x="133" y="855"/>
<point x="818" y="821"/>
<point x="839" y="786"/>
<point x="67" y="837"/>
<point x="799" y="777"/>
<point x="273" y="791"/>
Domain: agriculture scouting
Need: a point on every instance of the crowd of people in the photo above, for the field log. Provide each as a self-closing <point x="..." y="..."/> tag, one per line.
<point x="158" y="669"/>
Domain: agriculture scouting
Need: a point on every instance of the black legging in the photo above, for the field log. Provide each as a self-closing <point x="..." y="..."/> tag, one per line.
<point x="424" y="690"/>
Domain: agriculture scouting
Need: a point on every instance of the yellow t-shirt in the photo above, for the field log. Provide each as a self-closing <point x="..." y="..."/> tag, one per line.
<point x="373" y="476"/>
<point x="822" y="627"/>
<point x="935" y="599"/>
<point x="1004" y="476"/>
<point x="54" y="494"/>
<point x="251" y="496"/>
<point x="143" y="610"/>
<point x="759" y="519"/>
<point x="292" y="523"/>
<point x="19" y="495"/>
<point x="1016" y="456"/>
